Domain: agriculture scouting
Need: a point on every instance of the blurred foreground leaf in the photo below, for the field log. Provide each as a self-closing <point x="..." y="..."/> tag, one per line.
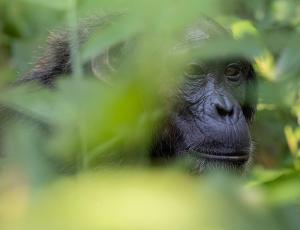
<point x="144" y="200"/>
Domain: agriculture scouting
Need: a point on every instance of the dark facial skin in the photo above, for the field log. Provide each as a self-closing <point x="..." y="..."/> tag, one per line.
<point x="210" y="122"/>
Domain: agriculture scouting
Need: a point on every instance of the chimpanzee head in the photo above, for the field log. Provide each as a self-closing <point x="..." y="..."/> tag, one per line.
<point x="209" y="122"/>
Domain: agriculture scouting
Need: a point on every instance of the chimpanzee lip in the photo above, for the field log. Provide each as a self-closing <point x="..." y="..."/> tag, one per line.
<point x="223" y="154"/>
<point x="227" y="157"/>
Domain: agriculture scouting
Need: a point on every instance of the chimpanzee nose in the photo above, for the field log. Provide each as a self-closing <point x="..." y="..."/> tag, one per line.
<point x="225" y="109"/>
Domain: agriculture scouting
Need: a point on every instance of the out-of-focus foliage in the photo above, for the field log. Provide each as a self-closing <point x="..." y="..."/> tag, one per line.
<point x="96" y="129"/>
<point x="142" y="200"/>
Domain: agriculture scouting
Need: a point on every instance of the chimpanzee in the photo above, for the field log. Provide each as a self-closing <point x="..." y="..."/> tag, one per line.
<point x="211" y="118"/>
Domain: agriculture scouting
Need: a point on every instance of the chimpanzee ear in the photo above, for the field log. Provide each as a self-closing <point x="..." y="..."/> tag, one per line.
<point x="101" y="66"/>
<point x="105" y="64"/>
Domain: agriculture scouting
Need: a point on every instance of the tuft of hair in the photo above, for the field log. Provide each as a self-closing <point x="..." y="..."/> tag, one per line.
<point x="56" y="58"/>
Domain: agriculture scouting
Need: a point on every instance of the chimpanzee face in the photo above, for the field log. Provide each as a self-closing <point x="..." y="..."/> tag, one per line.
<point x="210" y="120"/>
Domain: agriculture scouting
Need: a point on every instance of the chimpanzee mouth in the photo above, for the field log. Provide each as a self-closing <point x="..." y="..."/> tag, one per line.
<point x="230" y="161"/>
<point x="225" y="157"/>
<point x="228" y="155"/>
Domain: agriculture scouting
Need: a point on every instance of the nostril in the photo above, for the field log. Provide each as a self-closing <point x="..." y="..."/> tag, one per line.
<point x="223" y="112"/>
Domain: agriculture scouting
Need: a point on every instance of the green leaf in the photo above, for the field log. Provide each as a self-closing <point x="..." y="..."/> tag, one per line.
<point x="122" y="29"/>
<point x="54" y="4"/>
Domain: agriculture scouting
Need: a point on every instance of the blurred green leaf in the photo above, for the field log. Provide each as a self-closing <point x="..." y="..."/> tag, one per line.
<point x="55" y="4"/>
<point x="288" y="62"/>
<point x="123" y="29"/>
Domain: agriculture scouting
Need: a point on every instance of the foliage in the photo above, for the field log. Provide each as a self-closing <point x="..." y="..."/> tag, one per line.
<point x="100" y="134"/>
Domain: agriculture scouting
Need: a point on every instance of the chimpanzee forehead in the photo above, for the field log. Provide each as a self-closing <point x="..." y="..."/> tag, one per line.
<point x="221" y="62"/>
<point x="224" y="60"/>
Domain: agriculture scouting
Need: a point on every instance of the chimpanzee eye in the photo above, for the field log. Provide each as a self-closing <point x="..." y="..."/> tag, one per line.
<point x="233" y="72"/>
<point x="194" y="70"/>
